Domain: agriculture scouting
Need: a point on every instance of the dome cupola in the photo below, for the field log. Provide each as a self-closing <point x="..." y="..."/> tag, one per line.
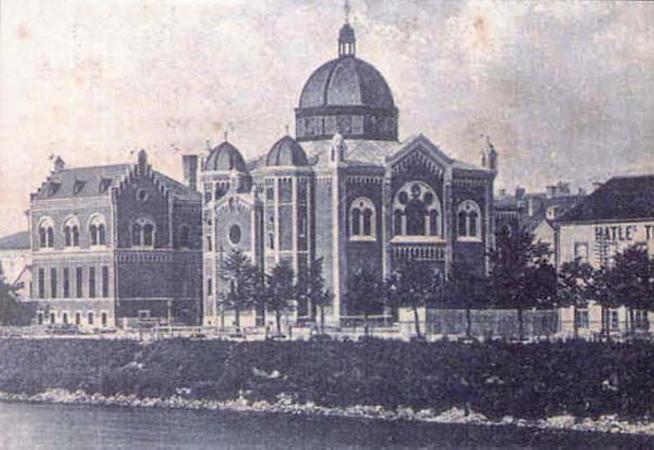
<point x="347" y="43"/>
<point x="348" y="96"/>
<point x="286" y="152"/>
<point x="225" y="158"/>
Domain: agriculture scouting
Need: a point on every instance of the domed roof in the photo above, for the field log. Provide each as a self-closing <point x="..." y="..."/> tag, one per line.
<point x="346" y="81"/>
<point x="225" y="157"/>
<point x="286" y="152"/>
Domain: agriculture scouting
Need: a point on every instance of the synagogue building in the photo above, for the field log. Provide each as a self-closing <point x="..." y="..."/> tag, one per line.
<point x="346" y="188"/>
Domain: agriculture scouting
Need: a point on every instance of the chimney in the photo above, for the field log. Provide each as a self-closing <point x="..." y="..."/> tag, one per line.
<point x="519" y="192"/>
<point x="142" y="161"/>
<point x="551" y="191"/>
<point x="59" y="164"/>
<point x="563" y="188"/>
<point x="190" y="164"/>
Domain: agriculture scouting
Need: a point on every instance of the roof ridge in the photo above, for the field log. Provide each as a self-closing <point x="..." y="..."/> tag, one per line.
<point x="98" y="166"/>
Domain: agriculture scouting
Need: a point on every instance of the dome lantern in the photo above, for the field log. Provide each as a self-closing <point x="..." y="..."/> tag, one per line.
<point x="346" y="41"/>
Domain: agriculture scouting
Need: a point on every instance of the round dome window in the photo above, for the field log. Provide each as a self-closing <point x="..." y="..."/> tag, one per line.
<point x="235" y="234"/>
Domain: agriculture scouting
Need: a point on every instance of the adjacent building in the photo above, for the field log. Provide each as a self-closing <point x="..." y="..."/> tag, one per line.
<point x="15" y="257"/>
<point x="115" y="245"/>
<point x="345" y="189"/>
<point x="536" y="211"/>
<point x="617" y="215"/>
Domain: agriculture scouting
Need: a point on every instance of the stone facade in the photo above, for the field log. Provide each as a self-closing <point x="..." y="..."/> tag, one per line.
<point x="113" y="246"/>
<point x="346" y="190"/>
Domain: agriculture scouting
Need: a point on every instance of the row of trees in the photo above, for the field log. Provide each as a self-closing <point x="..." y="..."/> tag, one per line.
<point x="277" y="292"/>
<point x="521" y="277"/>
<point x="628" y="282"/>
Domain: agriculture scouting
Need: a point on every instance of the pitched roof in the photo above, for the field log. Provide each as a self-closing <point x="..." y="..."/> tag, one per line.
<point x="98" y="180"/>
<point x="82" y="181"/>
<point x="619" y="198"/>
<point x="16" y="241"/>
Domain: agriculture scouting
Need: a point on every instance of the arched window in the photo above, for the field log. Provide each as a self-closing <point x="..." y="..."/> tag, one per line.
<point x="184" y="236"/>
<point x="97" y="230"/>
<point x="46" y="233"/>
<point x="209" y="246"/>
<point x="148" y="235"/>
<point x="362" y="219"/>
<point x="417" y="211"/>
<point x="136" y="235"/>
<point x="71" y="232"/>
<point x="143" y="233"/>
<point x="468" y="220"/>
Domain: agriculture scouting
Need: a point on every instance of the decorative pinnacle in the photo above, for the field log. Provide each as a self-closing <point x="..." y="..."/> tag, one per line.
<point x="226" y="134"/>
<point x="347" y="9"/>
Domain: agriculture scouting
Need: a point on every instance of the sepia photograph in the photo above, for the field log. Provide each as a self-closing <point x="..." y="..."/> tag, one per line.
<point x="326" y="224"/>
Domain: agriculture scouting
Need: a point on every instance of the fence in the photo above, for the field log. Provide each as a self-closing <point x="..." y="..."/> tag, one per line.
<point x="434" y="324"/>
<point x="491" y="324"/>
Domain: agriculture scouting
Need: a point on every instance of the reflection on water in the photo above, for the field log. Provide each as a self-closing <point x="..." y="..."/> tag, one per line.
<point x="80" y="427"/>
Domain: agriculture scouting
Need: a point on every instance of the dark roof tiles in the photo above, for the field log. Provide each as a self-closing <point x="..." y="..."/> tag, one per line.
<point x="620" y="198"/>
<point x="346" y="81"/>
<point x="16" y="241"/>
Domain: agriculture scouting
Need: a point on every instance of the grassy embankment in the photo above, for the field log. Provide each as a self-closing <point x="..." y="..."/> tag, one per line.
<point x="495" y="379"/>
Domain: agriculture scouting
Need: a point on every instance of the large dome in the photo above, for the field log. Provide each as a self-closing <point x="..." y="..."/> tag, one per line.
<point x="345" y="82"/>
<point x="348" y="96"/>
<point x="225" y="157"/>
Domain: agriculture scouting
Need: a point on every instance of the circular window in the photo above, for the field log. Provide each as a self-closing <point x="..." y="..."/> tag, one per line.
<point x="142" y="195"/>
<point x="403" y="197"/>
<point x="235" y="234"/>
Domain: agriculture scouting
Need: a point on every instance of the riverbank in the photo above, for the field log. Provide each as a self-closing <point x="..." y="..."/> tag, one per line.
<point x="73" y="426"/>
<point x="285" y="406"/>
<point x="572" y="386"/>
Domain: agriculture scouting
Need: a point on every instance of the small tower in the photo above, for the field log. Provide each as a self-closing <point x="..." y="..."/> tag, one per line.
<point x="489" y="156"/>
<point x="142" y="161"/>
<point x="346" y="41"/>
<point x="59" y="164"/>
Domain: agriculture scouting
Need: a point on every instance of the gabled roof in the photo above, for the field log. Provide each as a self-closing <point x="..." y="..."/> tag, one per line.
<point x="98" y="180"/>
<point x="16" y="241"/>
<point x="82" y="181"/>
<point x="620" y="198"/>
<point x="180" y="190"/>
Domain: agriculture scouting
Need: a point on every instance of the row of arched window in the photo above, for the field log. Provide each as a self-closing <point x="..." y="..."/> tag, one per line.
<point x="416" y="212"/>
<point x="71" y="231"/>
<point x="142" y="233"/>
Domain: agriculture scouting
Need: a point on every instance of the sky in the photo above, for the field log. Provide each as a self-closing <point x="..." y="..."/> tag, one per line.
<point x="564" y="89"/>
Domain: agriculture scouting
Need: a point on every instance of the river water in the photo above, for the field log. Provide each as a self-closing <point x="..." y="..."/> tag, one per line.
<point x="30" y="426"/>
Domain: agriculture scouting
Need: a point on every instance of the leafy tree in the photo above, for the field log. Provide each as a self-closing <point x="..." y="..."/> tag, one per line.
<point x="465" y="289"/>
<point x="602" y="291"/>
<point x="574" y="287"/>
<point x="241" y="278"/>
<point x="521" y="274"/>
<point x="314" y="290"/>
<point x="631" y="280"/>
<point x="414" y="284"/>
<point x="280" y="291"/>
<point x="12" y="312"/>
<point x="365" y="294"/>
